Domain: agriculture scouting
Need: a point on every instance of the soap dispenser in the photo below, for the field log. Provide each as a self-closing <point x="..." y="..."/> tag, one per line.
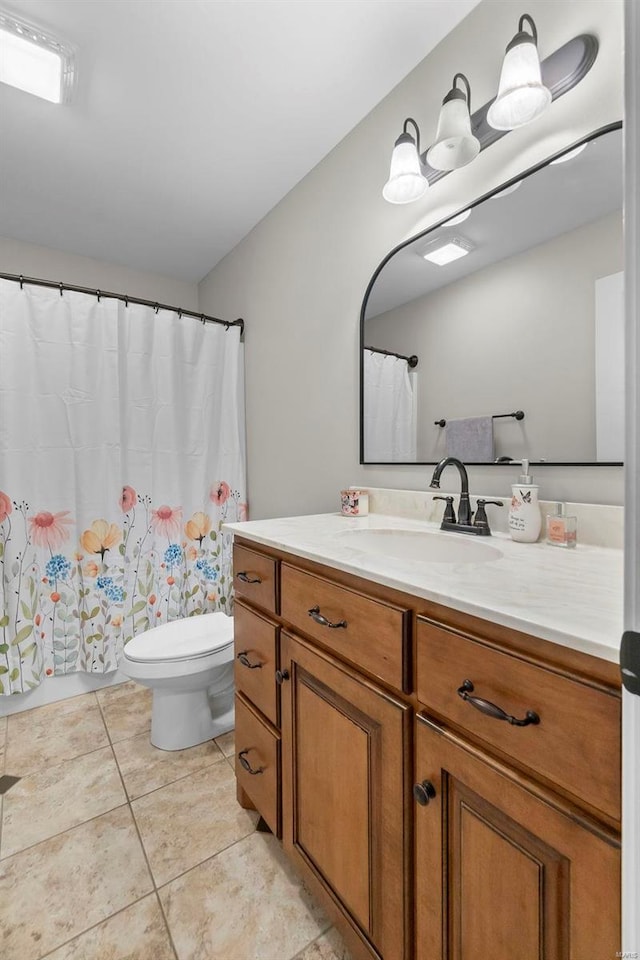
<point x="525" y="520"/>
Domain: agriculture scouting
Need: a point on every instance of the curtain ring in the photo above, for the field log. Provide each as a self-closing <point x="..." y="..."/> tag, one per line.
<point x="61" y="289"/>
<point x="202" y="320"/>
<point x="179" y="314"/>
<point x="98" y="295"/>
<point x="226" y="327"/>
<point x="126" y="299"/>
<point x="156" y="307"/>
<point x="21" y="281"/>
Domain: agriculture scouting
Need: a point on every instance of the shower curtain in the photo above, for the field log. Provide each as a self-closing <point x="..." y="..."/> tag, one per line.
<point x="389" y="409"/>
<point x="121" y="454"/>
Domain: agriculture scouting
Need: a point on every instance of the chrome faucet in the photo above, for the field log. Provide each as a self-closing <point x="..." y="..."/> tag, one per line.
<point x="466" y="522"/>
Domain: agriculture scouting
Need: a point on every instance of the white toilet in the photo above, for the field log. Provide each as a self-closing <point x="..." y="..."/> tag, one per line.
<point x="188" y="664"/>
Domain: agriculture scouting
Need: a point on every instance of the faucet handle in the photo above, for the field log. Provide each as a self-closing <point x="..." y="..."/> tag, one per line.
<point x="480" y="519"/>
<point x="449" y="513"/>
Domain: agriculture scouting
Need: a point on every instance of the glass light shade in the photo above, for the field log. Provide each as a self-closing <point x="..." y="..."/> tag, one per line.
<point x="406" y="181"/>
<point x="455" y="145"/>
<point x="521" y="94"/>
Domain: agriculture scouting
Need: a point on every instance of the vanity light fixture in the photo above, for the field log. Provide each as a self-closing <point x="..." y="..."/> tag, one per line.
<point x="455" y="145"/>
<point x="446" y="250"/>
<point x="406" y="181"/>
<point x="507" y="190"/>
<point x="568" y="156"/>
<point x="522" y="96"/>
<point x="526" y="88"/>
<point x="459" y="218"/>
<point x="34" y="61"/>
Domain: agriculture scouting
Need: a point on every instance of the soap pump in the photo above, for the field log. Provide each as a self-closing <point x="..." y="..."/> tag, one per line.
<point x="525" y="520"/>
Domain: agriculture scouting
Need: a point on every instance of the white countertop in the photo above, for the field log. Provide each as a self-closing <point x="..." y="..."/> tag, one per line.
<point x="572" y="597"/>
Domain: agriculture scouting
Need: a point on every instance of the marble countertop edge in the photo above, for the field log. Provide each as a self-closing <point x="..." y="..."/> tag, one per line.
<point x="569" y="597"/>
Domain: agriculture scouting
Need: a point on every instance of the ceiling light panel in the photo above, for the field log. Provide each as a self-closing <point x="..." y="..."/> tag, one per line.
<point x="446" y="250"/>
<point x="34" y="61"/>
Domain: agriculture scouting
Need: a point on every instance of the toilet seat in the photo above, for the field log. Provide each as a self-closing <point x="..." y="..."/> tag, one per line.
<point x="196" y="637"/>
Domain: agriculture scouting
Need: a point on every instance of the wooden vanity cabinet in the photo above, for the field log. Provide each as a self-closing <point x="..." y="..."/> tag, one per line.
<point x="428" y="828"/>
<point x="346" y="817"/>
<point x="503" y="870"/>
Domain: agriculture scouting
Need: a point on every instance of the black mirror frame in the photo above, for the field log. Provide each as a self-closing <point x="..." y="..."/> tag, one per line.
<point x="601" y="131"/>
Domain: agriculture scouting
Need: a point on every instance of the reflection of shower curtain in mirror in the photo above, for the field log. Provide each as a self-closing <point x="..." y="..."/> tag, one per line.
<point x="389" y="409"/>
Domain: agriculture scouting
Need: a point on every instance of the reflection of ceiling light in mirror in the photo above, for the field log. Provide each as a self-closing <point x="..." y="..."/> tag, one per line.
<point x="446" y="250"/>
<point x="32" y="61"/>
<point x="460" y="218"/>
<point x="507" y="190"/>
<point x="570" y="155"/>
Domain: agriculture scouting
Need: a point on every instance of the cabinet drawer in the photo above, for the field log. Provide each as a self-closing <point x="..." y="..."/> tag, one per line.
<point x="255" y="664"/>
<point x="371" y="634"/>
<point x="576" y="743"/>
<point x="257" y="763"/>
<point x="256" y="578"/>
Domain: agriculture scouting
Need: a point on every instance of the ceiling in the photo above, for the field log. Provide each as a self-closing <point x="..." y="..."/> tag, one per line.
<point x="193" y="118"/>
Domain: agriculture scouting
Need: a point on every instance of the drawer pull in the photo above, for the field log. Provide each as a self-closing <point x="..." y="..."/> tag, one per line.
<point x="244" y="660"/>
<point x="244" y="576"/>
<point x="242" y="757"/>
<point x="315" y="614"/>
<point x="492" y="710"/>
<point x="424" y="792"/>
<point x="281" y="676"/>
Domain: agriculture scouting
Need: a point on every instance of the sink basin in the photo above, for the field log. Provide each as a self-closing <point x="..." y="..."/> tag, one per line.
<point x="415" y="545"/>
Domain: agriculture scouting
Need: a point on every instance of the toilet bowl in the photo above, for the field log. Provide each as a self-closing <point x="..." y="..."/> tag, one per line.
<point x="188" y="664"/>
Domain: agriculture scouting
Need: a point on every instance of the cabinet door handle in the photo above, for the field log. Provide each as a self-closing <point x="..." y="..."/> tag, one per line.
<point x="424" y="792"/>
<point x="244" y="660"/>
<point x="315" y="614"/>
<point x="281" y="676"/>
<point x="244" y="576"/>
<point x="242" y="757"/>
<point x="492" y="710"/>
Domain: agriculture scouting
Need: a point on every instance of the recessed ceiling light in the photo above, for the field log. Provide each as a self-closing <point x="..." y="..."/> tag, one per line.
<point x="34" y="61"/>
<point x="570" y="155"/>
<point x="446" y="250"/>
<point x="460" y="218"/>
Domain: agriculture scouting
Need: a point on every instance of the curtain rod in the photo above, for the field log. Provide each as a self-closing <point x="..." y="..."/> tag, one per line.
<point x="412" y="360"/>
<point x="203" y="317"/>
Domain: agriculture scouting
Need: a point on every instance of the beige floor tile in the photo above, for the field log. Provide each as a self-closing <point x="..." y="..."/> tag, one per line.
<point x="127" y="710"/>
<point x="58" y="797"/>
<point x="190" y="820"/>
<point x="227" y="743"/>
<point x="56" y="890"/>
<point x="53" y="733"/>
<point x="137" y="933"/>
<point x="244" y="904"/>
<point x="330" y="946"/>
<point x="145" y="768"/>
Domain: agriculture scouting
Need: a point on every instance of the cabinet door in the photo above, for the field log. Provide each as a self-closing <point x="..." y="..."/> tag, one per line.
<point x="501" y="870"/>
<point x="346" y="798"/>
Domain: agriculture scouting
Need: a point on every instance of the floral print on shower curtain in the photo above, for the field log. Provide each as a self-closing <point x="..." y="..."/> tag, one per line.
<point x="87" y="562"/>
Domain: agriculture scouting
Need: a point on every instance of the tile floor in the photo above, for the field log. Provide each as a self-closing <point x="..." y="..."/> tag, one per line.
<point x="113" y="850"/>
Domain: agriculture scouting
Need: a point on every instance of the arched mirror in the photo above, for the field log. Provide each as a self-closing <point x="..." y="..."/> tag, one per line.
<point x="499" y="333"/>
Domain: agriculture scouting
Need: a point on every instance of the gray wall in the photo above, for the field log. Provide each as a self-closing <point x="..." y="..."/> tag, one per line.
<point x="522" y="333"/>
<point x="45" y="263"/>
<point x="299" y="277"/>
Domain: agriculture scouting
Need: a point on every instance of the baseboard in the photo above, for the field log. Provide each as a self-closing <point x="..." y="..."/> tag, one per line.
<point x="59" y="688"/>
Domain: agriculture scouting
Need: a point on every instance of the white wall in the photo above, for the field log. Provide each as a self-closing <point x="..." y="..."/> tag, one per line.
<point x="299" y="277"/>
<point x="46" y="263"/>
<point x="516" y="343"/>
